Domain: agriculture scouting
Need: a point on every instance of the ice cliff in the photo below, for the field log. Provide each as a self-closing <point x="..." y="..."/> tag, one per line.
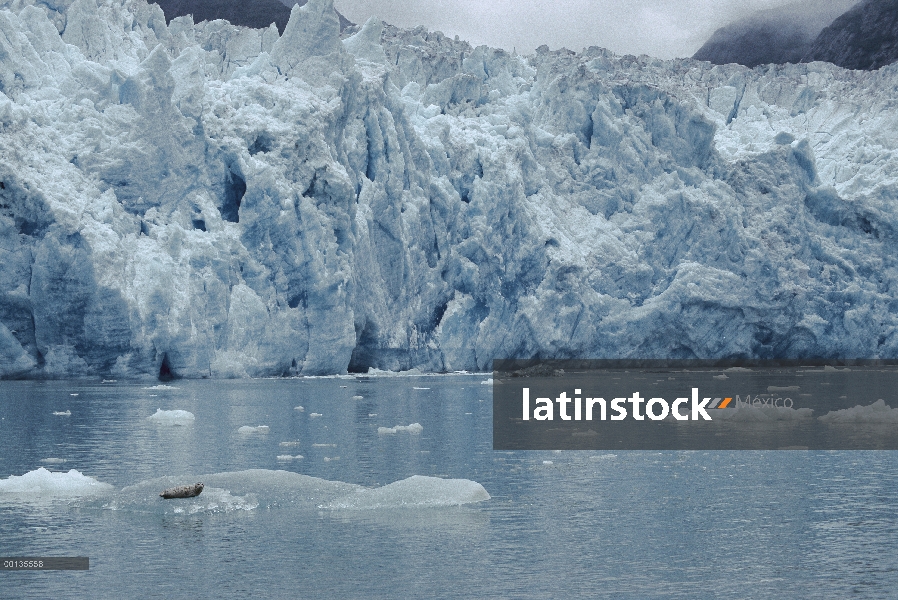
<point x="211" y="200"/>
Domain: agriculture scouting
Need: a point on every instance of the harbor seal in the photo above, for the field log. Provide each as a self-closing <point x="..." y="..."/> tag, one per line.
<point x="183" y="491"/>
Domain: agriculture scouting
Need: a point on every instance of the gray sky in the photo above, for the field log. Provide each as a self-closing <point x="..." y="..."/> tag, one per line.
<point x="662" y="28"/>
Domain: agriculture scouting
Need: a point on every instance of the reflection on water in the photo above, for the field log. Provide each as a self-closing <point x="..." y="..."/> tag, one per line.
<point x="587" y="524"/>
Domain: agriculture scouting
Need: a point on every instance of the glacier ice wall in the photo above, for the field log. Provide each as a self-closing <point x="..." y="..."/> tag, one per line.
<point x="211" y="200"/>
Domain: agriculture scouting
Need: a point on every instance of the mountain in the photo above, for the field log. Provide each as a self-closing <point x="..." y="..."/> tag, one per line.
<point x="865" y="37"/>
<point x="770" y="36"/>
<point x="249" y="13"/>
<point x="206" y="200"/>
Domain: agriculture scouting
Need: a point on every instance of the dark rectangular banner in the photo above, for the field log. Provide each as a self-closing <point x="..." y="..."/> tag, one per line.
<point x="695" y="405"/>
<point x="44" y="563"/>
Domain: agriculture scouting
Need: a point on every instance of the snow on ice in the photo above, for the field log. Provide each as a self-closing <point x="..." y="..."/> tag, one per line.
<point x="210" y="200"/>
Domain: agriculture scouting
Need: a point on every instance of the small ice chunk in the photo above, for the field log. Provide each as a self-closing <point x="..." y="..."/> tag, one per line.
<point x="357" y="397"/>
<point x="548" y="462"/>
<point x="420" y="388"/>
<point x="63" y="413"/>
<point x="257" y="429"/>
<point x="372" y="415"/>
<point x="161" y="387"/>
<point x="587" y="433"/>
<point x="328" y="458"/>
<point x="172" y="417"/>
<point x="487" y="381"/>
<point x="73" y="394"/>
<point x="721" y="377"/>
<point x="289" y="444"/>
<point x="324" y="445"/>
<point x="288" y="457"/>
<point x="413" y="428"/>
<point x="315" y="415"/>
<point x="53" y="461"/>
<point x="300" y="408"/>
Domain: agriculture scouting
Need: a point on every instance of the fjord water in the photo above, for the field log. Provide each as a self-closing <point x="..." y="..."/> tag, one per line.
<point x="557" y="524"/>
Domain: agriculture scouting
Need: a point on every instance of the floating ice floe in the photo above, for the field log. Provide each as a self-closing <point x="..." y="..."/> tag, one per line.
<point x="487" y="381"/>
<point x="43" y="484"/>
<point x="416" y="491"/>
<point x="420" y="388"/>
<point x="73" y="394"/>
<point x="53" y="461"/>
<point x="289" y="444"/>
<point x="256" y="429"/>
<point x="413" y="428"/>
<point x="315" y="415"/>
<point x="162" y="387"/>
<point x="300" y="408"/>
<point x="172" y="417"/>
<point x="358" y="397"/>
<point x="324" y="445"/>
<point x="286" y="457"/>
<point x="878" y="412"/>
<point x="329" y="458"/>
<point x="246" y="490"/>
<point x="62" y="413"/>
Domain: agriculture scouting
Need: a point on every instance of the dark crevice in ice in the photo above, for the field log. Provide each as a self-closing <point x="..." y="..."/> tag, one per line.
<point x="165" y="370"/>
<point x="235" y="188"/>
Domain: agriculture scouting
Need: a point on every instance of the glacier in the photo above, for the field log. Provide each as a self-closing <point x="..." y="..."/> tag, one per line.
<point x="208" y="200"/>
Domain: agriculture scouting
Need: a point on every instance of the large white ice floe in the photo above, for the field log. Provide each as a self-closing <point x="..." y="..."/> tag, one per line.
<point x="42" y="485"/>
<point x="269" y="489"/>
<point x="209" y="200"/>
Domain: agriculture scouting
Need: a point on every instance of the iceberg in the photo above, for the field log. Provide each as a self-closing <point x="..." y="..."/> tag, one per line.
<point x="250" y="429"/>
<point x="208" y="200"/>
<point x="42" y="485"/>
<point x="172" y="417"/>
<point x="247" y="490"/>
<point x="414" y="428"/>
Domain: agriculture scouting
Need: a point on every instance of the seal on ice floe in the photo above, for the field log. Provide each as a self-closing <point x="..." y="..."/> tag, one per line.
<point x="183" y="491"/>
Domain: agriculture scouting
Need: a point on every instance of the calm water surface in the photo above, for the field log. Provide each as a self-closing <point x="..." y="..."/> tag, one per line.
<point x="558" y="524"/>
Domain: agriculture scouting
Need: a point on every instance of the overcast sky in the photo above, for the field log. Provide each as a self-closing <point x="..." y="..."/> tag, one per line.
<point x="662" y="28"/>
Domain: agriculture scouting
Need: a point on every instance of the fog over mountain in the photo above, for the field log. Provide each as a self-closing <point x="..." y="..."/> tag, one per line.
<point x="778" y="35"/>
<point x="863" y="37"/>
